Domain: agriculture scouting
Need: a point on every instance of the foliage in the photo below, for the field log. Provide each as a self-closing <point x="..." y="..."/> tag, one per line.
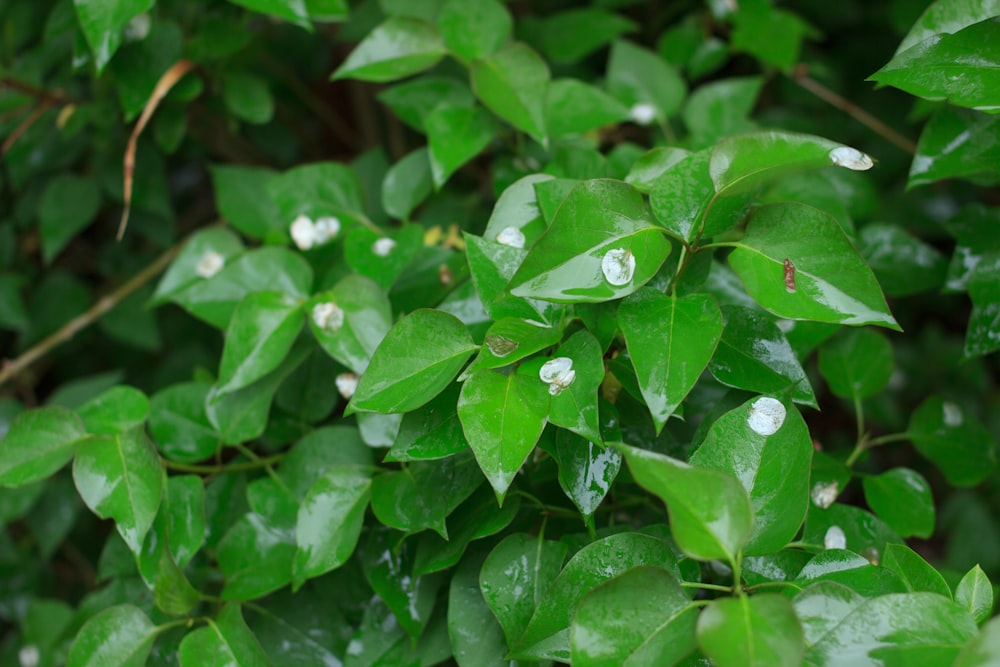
<point x="515" y="357"/>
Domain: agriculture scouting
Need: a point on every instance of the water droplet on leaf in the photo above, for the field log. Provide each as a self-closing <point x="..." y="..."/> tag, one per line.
<point x="501" y="346"/>
<point x="511" y="236"/>
<point x="558" y="373"/>
<point x="383" y="247"/>
<point x="303" y="232"/>
<point x="618" y="265"/>
<point x="851" y="158"/>
<point x="328" y="316"/>
<point x="210" y="263"/>
<point x="834" y="538"/>
<point x="824" y="494"/>
<point x="642" y="113"/>
<point x="766" y="416"/>
<point x="347" y="384"/>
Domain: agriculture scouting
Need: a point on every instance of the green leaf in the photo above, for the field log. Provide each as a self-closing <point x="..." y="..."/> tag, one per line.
<point x="575" y="408"/>
<point x="407" y="184"/>
<point x="511" y="339"/>
<point x="474" y="29"/>
<point x="902" y="498"/>
<point x="767" y="446"/>
<point x="956" y="143"/>
<point x="248" y="97"/>
<point x="571" y="35"/>
<point x="329" y="521"/>
<point x="897" y="629"/>
<point x="942" y="67"/>
<point x="68" y="205"/>
<point x="455" y="135"/>
<point x="586" y="471"/>
<point x="179" y="423"/>
<point x="653" y="164"/>
<point x="255" y="556"/>
<point x="352" y="335"/>
<point x="754" y="354"/>
<point x="547" y="633"/>
<point x="814" y="273"/>
<point x="416" y="360"/>
<point x="114" y="411"/>
<point x="259" y="336"/>
<point x="242" y="199"/>
<point x="185" y="517"/>
<point x="683" y="200"/>
<point x="973" y="228"/>
<point x="720" y="108"/>
<point x="172" y="592"/>
<point x="502" y="418"/>
<point x="751" y="631"/>
<point x="414" y="100"/>
<point x="119" y="636"/>
<point x="955" y="441"/>
<point x="637" y="76"/>
<point x="857" y="364"/>
<point x="821" y="606"/>
<point x="983" y="650"/>
<point x="317" y="452"/>
<point x="851" y="570"/>
<point x="515" y="576"/>
<point x="383" y="258"/>
<point x="224" y="642"/>
<point x="388" y="568"/>
<point x="574" y="107"/>
<point x="432" y="431"/>
<point x="601" y="245"/>
<point x="103" y="23"/>
<point x="744" y="163"/>
<point x="864" y="532"/>
<point x="476" y="638"/>
<point x="975" y="593"/>
<point x="768" y="33"/>
<point x="948" y="16"/>
<point x="670" y="341"/>
<point x="981" y="337"/>
<point x="293" y="11"/>
<point x="120" y="477"/>
<point x="425" y="493"/>
<point x="328" y="10"/>
<point x="903" y="264"/>
<point x="397" y="48"/>
<point x="197" y="260"/>
<point x="915" y="573"/>
<point x="38" y="443"/>
<point x="513" y="84"/>
<point x="711" y="516"/>
<point x="263" y="270"/>
<point x="317" y="190"/>
<point x="640" y="617"/>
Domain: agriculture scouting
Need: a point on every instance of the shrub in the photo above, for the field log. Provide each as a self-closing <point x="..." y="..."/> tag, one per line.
<point x="510" y="343"/>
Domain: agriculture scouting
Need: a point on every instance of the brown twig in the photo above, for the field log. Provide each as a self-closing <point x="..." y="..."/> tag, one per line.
<point x="24" y="126"/>
<point x="800" y="75"/>
<point x="56" y="98"/>
<point x="163" y="86"/>
<point x="12" y="367"/>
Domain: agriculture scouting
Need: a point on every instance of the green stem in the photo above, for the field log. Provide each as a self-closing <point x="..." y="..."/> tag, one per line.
<point x="738" y="573"/>
<point x="707" y="587"/>
<point x="223" y="467"/>
<point x="886" y="439"/>
<point x="805" y="546"/>
<point x="773" y="584"/>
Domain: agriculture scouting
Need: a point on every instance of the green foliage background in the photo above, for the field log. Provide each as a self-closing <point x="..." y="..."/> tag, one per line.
<point x="474" y="332"/>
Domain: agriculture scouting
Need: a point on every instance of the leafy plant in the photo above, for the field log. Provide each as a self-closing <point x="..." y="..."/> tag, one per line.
<point x="610" y="334"/>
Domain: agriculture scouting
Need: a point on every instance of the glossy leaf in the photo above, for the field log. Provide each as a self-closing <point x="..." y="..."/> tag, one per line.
<point x="975" y="593"/>
<point x="956" y="143"/>
<point x="425" y="493"/>
<point x="948" y="16"/>
<point x="569" y="36"/>
<point x="416" y="360"/>
<point x="744" y="163"/>
<point x="317" y="190"/>
<point x="476" y="638"/>
<point x="547" y="633"/>
<point x="670" y="341"/>
<point x="852" y="571"/>
<point x="902" y="498"/>
<point x="367" y="318"/>
<point x="750" y="631"/>
<point x="120" y="477"/>
<point x="184" y="270"/>
<point x="821" y="606"/>
<point x="640" y="618"/>
<point x="430" y="432"/>
<point x="864" y="532"/>
<point x="103" y="23"/>
<point x="981" y="335"/>
<point x="857" y="364"/>
<point x="455" y="135"/>
<point x="116" y="637"/>
<point x="37" y="444"/>
<point x="255" y="556"/>
<point x="474" y="29"/>
<point x="771" y="464"/>
<point x="502" y="418"/>
<point x="653" y="164"/>
<point x="397" y="48"/>
<point x="983" y="650"/>
<point x="511" y="339"/>
<point x="903" y="264"/>
<point x="407" y="184"/>
<point x="720" y="108"/>
<point x="329" y="521"/>
<point x="114" y="411"/>
<point x="814" y="273"/>
<point x="711" y="516"/>
<point x="492" y="266"/>
<point x="601" y="245"/>
<point x="943" y="67"/>
<point x="515" y="576"/>
<point x="754" y="354"/>
<point x="915" y="573"/>
<point x="185" y="497"/>
<point x="180" y="425"/>
<point x="415" y="99"/>
<point x="293" y="11"/>
<point x="575" y="408"/>
<point x="955" y="441"/>
<point x="513" y="83"/>
<point x="586" y="471"/>
<point x="225" y="641"/>
<point x="910" y="628"/>
<point x="259" y="336"/>
<point x="637" y="76"/>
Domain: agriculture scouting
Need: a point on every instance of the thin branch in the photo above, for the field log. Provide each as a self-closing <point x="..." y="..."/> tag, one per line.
<point x="13" y="367"/>
<point x="800" y="76"/>
<point x="56" y="98"/>
<point x="24" y="126"/>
